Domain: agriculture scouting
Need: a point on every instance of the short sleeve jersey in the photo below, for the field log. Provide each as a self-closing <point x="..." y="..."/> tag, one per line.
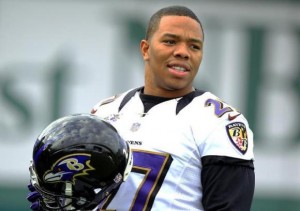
<point x="168" y="143"/>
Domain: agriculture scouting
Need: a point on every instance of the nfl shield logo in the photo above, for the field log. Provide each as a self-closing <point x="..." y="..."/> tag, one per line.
<point x="135" y="127"/>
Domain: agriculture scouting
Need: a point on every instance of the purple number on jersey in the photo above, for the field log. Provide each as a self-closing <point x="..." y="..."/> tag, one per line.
<point x="155" y="167"/>
<point x="219" y="107"/>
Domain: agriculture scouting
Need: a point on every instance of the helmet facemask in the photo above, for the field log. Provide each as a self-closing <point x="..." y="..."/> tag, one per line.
<point x="89" y="199"/>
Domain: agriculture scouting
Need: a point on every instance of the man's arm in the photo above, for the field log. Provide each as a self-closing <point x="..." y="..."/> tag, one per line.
<point x="228" y="183"/>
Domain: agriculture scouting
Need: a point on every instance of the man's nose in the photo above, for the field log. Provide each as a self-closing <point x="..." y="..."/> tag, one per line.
<point x="182" y="51"/>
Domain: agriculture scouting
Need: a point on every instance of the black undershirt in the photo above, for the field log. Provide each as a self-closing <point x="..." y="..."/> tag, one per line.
<point x="228" y="183"/>
<point x="149" y="101"/>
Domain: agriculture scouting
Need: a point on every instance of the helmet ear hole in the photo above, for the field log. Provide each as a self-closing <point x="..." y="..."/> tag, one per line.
<point x="82" y="150"/>
<point x="97" y="149"/>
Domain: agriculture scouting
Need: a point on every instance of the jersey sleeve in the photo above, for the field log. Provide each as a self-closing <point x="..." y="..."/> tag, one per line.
<point x="96" y="107"/>
<point x="108" y="106"/>
<point x="229" y="138"/>
<point x="219" y="129"/>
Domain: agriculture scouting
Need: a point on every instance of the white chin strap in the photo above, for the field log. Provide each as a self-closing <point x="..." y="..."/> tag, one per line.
<point x="68" y="201"/>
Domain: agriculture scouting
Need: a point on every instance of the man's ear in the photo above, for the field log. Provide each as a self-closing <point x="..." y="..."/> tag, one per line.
<point x="144" y="47"/>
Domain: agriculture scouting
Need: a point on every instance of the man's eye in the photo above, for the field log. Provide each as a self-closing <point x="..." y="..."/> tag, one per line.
<point x="169" y="42"/>
<point x="196" y="47"/>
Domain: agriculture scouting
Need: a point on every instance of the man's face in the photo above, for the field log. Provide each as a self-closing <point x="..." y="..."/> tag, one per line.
<point x="172" y="56"/>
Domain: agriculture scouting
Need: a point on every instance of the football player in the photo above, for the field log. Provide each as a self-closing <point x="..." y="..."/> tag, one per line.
<point x="78" y="160"/>
<point x="191" y="150"/>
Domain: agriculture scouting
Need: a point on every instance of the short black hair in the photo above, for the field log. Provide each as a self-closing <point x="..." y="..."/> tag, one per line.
<point x="169" y="11"/>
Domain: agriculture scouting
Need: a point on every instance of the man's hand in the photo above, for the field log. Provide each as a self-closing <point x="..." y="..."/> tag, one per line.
<point x="34" y="198"/>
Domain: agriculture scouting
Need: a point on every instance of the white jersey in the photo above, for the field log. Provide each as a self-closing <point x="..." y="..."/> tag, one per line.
<point x="168" y="143"/>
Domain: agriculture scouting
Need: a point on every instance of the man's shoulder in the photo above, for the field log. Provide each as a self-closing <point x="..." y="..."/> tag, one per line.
<point x="111" y="101"/>
<point x="212" y="107"/>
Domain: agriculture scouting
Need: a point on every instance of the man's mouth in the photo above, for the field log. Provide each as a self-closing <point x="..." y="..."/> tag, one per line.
<point x="179" y="68"/>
